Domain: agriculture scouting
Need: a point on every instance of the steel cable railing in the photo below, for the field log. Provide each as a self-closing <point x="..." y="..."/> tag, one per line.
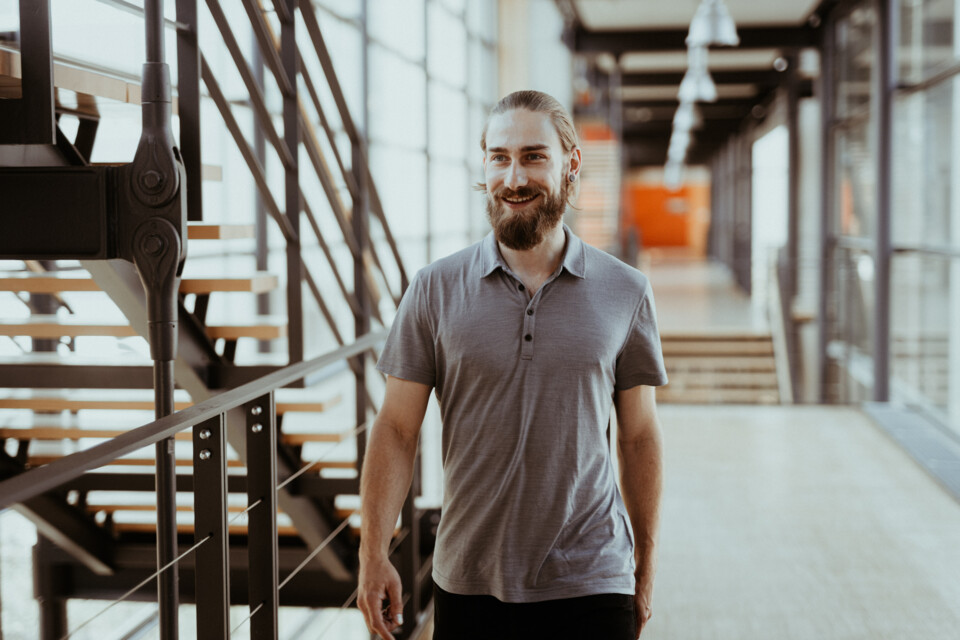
<point x="140" y="585"/>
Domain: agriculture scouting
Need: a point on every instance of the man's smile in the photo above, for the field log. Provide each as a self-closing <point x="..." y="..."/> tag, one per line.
<point x="519" y="200"/>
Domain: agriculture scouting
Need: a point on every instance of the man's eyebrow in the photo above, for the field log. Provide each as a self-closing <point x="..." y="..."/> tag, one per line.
<point x="530" y="147"/>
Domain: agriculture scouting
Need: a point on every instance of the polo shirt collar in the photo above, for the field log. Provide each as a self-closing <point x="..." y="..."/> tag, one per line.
<point x="573" y="257"/>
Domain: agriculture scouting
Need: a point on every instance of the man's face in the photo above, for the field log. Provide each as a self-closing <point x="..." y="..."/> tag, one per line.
<point x="526" y="169"/>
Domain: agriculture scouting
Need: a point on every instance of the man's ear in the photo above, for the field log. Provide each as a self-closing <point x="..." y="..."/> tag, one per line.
<point x="575" y="161"/>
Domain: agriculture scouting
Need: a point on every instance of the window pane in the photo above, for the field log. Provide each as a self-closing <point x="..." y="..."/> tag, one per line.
<point x="398" y="24"/>
<point x="856" y="180"/>
<point x="927" y="41"/>
<point x="855" y="37"/>
<point x="922" y="287"/>
<point x="448" y="123"/>
<point x="401" y="175"/>
<point x="399" y="85"/>
<point x="446" y="52"/>
<point x="923" y="156"/>
<point x="449" y="199"/>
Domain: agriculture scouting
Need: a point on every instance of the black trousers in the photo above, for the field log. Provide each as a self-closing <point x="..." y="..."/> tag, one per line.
<point x="608" y="616"/>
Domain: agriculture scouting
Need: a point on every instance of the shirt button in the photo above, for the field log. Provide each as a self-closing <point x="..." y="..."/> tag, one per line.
<point x="529" y="312"/>
<point x="528" y="337"/>
<point x="521" y="287"/>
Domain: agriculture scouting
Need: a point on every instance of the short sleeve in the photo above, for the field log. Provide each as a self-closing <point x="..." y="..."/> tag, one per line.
<point x="641" y="359"/>
<point x="409" y="350"/>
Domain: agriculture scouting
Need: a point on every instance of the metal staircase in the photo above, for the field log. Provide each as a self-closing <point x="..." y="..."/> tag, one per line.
<point x="253" y="498"/>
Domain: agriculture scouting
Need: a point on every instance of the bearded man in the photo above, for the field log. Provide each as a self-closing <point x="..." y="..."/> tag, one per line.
<point x="528" y="338"/>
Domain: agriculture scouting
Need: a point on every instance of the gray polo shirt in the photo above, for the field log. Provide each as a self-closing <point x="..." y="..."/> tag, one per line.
<point x="531" y="507"/>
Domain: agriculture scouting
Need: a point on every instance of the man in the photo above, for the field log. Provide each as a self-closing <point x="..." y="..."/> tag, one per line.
<point x="528" y="337"/>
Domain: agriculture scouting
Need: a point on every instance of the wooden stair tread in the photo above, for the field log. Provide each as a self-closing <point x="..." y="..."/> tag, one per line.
<point x="717" y="348"/>
<point x="50" y="326"/>
<point x="140" y="399"/>
<point x="62" y="281"/>
<point x="727" y="396"/>
<point x="58" y="433"/>
<point x="727" y="335"/>
<point x="717" y="362"/>
<point x="722" y="380"/>
<point x="88" y="83"/>
<point x="209" y="231"/>
<point x="40" y="460"/>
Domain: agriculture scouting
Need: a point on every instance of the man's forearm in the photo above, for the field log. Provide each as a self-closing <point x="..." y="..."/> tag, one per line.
<point x="641" y="478"/>
<point x="387" y="473"/>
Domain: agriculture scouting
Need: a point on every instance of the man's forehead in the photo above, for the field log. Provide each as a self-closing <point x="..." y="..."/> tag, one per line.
<point x="521" y="128"/>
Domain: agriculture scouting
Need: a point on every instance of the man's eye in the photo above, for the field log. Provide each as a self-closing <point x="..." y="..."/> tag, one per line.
<point x="499" y="158"/>
<point x="536" y="156"/>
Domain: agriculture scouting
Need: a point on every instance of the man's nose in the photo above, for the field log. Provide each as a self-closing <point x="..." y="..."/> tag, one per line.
<point x="516" y="177"/>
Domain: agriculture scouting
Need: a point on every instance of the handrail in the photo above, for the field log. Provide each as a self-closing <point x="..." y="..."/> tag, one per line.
<point x="38" y="481"/>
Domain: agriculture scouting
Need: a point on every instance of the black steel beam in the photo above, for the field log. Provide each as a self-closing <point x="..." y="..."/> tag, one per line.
<point x="582" y="40"/>
<point x="765" y="77"/>
<point x="75" y="376"/>
<point x="30" y="119"/>
<point x="72" y="530"/>
<point x="188" y="98"/>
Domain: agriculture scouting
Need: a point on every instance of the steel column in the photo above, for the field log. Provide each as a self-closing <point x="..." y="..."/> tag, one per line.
<point x="886" y="51"/>
<point x="188" y="101"/>
<point x="30" y="119"/>
<point x="793" y="175"/>
<point x="260" y="212"/>
<point x="212" y="574"/>
<point x="262" y="529"/>
<point x="361" y="233"/>
<point x="291" y="136"/>
<point x="827" y="258"/>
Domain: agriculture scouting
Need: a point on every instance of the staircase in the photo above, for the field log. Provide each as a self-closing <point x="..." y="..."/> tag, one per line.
<point x="267" y="441"/>
<point x="719" y="367"/>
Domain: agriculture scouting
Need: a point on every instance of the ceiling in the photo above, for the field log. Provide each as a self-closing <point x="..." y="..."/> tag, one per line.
<point x="645" y="41"/>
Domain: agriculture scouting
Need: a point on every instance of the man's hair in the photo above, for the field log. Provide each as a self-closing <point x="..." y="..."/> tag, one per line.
<point x="538" y="102"/>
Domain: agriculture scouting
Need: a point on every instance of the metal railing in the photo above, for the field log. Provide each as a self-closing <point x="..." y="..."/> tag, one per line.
<point x="208" y="420"/>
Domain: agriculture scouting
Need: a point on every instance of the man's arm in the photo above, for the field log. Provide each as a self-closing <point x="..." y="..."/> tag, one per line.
<point x="387" y="473"/>
<point x="640" y="447"/>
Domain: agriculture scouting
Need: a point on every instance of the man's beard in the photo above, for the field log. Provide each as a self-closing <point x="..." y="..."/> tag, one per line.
<point x="525" y="229"/>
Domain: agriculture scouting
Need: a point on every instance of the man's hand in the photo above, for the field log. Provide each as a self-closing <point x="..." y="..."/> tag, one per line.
<point x="642" y="601"/>
<point x="380" y="597"/>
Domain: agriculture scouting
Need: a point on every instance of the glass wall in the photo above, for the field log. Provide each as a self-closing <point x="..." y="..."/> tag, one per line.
<point x="925" y="291"/>
<point x="925" y="208"/>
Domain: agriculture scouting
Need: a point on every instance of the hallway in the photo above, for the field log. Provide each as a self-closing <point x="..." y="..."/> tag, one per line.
<point x="791" y="521"/>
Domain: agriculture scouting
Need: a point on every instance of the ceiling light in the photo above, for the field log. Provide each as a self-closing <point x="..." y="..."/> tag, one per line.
<point x="712" y="25"/>
<point x="673" y="176"/>
<point x="697" y="86"/>
<point x="687" y="117"/>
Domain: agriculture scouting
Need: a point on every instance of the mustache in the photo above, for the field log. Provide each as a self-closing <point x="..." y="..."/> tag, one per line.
<point x="523" y="192"/>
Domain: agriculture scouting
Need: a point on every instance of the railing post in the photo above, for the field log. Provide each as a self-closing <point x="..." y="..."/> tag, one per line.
<point x="262" y="551"/>
<point x="291" y="136"/>
<point x="410" y="554"/>
<point x="210" y="506"/>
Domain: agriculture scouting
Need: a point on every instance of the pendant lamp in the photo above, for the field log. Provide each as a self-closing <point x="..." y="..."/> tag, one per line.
<point x="712" y="25"/>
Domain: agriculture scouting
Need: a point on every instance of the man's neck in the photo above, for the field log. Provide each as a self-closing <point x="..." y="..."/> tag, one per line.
<point x="540" y="261"/>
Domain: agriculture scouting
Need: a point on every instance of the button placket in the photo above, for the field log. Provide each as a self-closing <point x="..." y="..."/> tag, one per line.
<point x="529" y="328"/>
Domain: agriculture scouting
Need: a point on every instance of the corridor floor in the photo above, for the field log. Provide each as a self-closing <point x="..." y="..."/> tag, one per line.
<point x="800" y="522"/>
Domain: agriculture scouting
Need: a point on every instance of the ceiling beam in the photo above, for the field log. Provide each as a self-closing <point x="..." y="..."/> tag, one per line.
<point x="665" y="127"/>
<point x="581" y="40"/>
<point x="765" y="77"/>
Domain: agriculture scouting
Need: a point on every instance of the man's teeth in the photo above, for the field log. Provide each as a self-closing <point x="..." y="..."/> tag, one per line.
<point x="520" y="200"/>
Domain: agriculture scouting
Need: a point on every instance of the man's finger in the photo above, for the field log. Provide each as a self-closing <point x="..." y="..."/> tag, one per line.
<point x="395" y="594"/>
